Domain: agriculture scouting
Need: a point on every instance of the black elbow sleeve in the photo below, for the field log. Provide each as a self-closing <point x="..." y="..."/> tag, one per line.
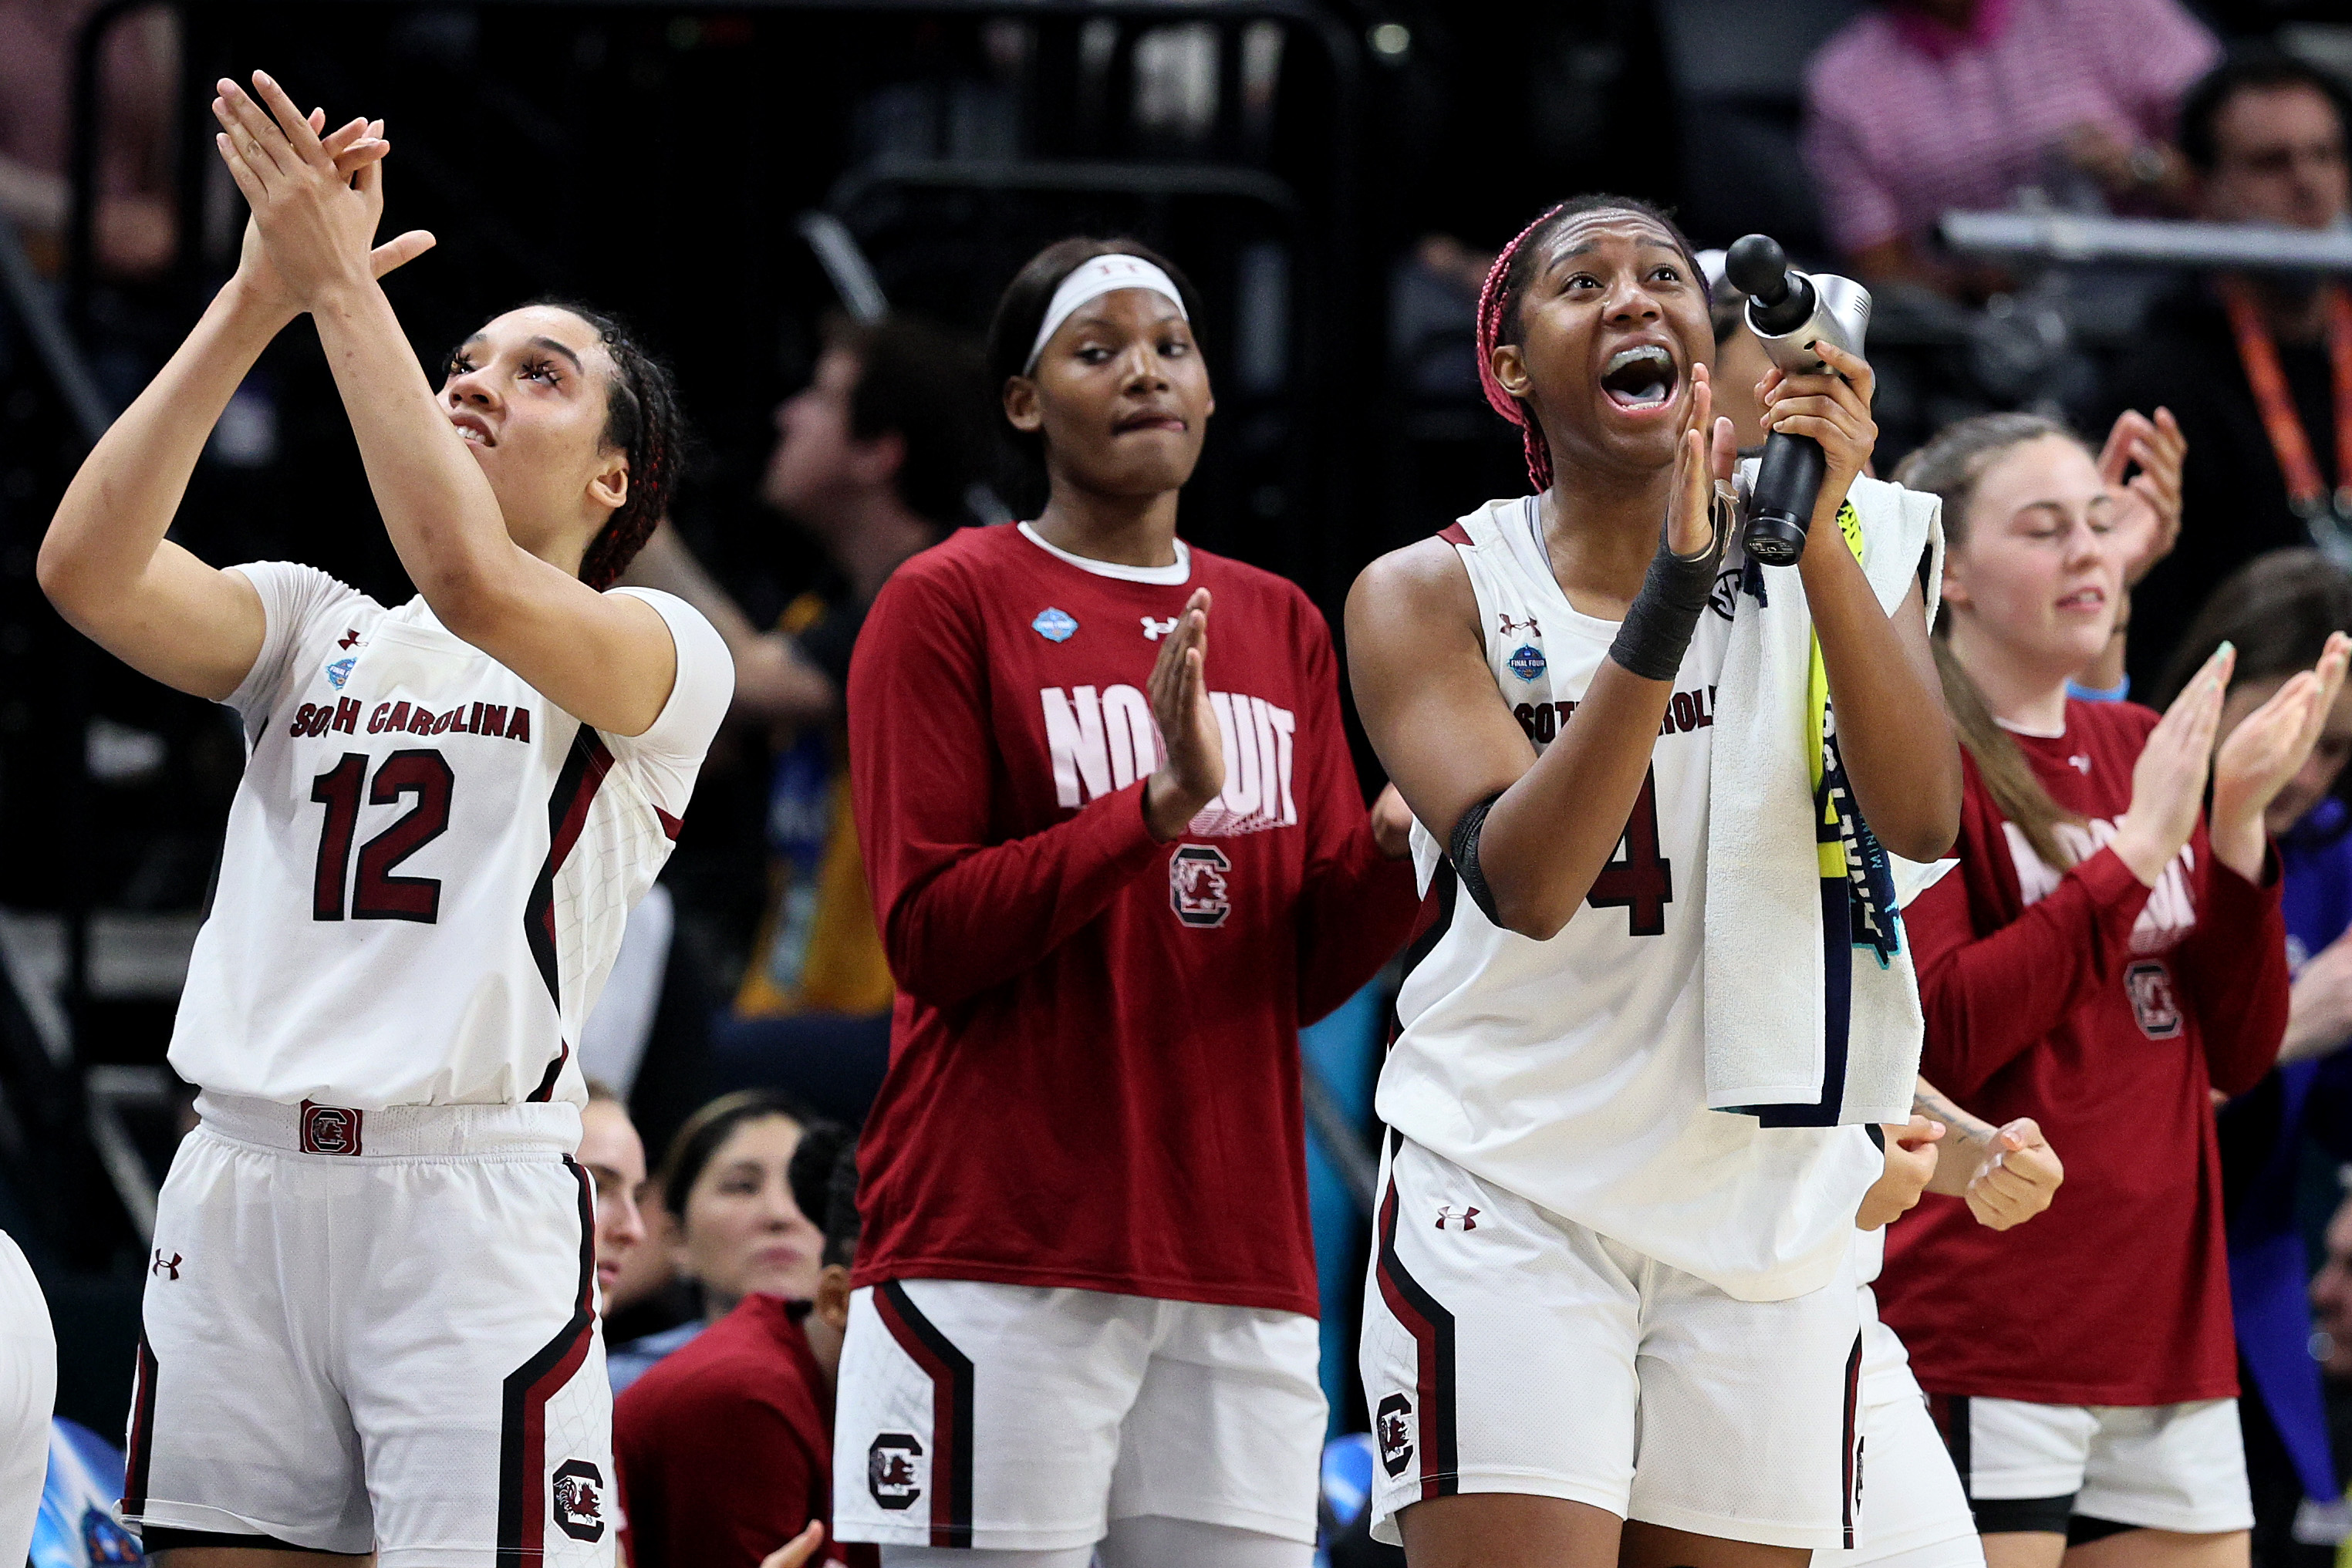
<point x="1464" y="851"/>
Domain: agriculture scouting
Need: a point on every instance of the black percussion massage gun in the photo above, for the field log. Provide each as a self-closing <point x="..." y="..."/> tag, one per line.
<point x="1790" y="311"/>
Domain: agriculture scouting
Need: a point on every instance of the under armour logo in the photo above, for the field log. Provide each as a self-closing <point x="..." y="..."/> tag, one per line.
<point x="1155" y="630"/>
<point x="2080" y="763"/>
<point x="349" y="639"/>
<point x="1511" y="627"/>
<point x="1452" y="1219"/>
<point x="165" y="1265"/>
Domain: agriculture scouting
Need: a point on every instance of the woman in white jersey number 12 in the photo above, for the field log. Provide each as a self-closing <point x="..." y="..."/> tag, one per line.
<point x="369" y="1321"/>
<point x="1606" y="1322"/>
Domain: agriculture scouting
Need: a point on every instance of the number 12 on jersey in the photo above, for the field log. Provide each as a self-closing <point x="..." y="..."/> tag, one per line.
<point x="376" y="893"/>
<point x="1638" y="879"/>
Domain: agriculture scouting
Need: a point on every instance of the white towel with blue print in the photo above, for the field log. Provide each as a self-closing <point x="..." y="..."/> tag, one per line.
<point x="1812" y="1004"/>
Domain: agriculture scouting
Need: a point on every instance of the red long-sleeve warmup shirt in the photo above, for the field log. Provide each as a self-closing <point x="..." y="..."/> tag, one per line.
<point x="2106" y="1012"/>
<point x="725" y="1447"/>
<point x="1093" y="1073"/>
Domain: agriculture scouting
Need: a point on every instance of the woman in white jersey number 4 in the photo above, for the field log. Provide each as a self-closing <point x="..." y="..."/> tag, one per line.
<point x="1594" y="1299"/>
<point x="369" y="1325"/>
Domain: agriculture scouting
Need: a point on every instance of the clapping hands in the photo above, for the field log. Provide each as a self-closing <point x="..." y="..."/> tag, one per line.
<point x="2148" y="507"/>
<point x="1193" y="747"/>
<point x="316" y="199"/>
<point x="2268" y="749"/>
<point x="2017" y="1179"/>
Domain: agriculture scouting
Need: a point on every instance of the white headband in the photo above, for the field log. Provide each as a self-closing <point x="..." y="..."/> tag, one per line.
<point x="1091" y="280"/>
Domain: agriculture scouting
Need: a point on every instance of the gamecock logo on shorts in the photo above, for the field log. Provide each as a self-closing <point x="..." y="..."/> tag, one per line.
<point x="1196" y="884"/>
<point x="890" y="1473"/>
<point x="330" y="1130"/>
<point x="1393" y="1427"/>
<point x="2150" y="985"/>
<point x="577" y="1491"/>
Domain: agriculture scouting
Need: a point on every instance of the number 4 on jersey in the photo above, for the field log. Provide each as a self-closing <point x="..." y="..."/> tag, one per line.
<point x="376" y="893"/>
<point x="1639" y="879"/>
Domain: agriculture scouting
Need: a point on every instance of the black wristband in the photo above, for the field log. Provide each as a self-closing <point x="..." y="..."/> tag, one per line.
<point x="1464" y="850"/>
<point x="1659" y="622"/>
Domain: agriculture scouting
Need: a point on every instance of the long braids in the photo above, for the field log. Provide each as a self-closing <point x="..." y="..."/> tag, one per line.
<point x="642" y="417"/>
<point x="1499" y="310"/>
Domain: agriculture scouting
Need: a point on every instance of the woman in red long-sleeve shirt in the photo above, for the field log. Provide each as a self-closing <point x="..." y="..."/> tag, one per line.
<point x="1115" y="866"/>
<point x="2104" y="955"/>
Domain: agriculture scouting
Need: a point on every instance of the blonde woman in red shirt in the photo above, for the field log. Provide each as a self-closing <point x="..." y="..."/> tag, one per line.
<point x="2106" y="954"/>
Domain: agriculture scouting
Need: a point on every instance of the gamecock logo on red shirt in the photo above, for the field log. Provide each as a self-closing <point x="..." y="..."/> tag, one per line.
<point x="2150" y="987"/>
<point x="1196" y="884"/>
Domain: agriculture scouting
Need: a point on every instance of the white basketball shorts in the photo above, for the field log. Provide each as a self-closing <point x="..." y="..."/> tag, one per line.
<point x="28" y="1394"/>
<point x="2032" y="1466"/>
<point x="1509" y="1350"/>
<point x="1908" y="1503"/>
<point x="376" y="1330"/>
<point x="1012" y="1418"/>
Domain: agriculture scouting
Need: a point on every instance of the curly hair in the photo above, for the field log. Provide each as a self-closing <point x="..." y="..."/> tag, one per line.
<point x="643" y="419"/>
<point x="1498" y="307"/>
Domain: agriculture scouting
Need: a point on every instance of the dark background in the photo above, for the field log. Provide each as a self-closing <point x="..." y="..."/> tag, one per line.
<point x="654" y="162"/>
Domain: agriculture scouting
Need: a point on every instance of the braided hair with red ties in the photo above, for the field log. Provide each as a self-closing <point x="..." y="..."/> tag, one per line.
<point x="643" y="419"/>
<point x="1498" y="308"/>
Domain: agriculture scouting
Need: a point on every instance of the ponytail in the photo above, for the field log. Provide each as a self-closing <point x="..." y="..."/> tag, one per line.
<point x="1949" y="466"/>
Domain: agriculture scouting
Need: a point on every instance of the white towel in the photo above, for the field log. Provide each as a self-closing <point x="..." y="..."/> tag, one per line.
<point x="1802" y="1031"/>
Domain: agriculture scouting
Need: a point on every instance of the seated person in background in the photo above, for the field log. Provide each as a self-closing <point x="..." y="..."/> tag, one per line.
<point x="2250" y="363"/>
<point x="726" y="1448"/>
<point x="1926" y="105"/>
<point x="646" y="1295"/>
<point x="739" y="1229"/>
<point x="874" y="459"/>
<point x="2331" y="1345"/>
<point x="2278" y="612"/>
<point x="615" y="1158"/>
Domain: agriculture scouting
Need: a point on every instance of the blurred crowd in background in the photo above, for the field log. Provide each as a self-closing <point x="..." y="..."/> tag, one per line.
<point x="809" y="207"/>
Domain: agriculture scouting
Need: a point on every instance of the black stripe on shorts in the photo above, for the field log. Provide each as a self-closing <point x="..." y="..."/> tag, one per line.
<point x="949" y="1371"/>
<point x="1432" y="1327"/>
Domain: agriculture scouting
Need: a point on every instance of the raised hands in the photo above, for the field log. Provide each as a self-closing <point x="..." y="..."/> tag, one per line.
<point x="2169" y="780"/>
<point x="2017" y="1178"/>
<point x="1835" y="410"/>
<point x="316" y="200"/>
<point x="1193" y="760"/>
<point x="2266" y="750"/>
<point x="1703" y="461"/>
<point x="2148" y="508"/>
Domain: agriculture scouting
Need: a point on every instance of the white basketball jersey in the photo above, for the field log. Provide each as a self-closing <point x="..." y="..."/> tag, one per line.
<point x="428" y="864"/>
<point x="1571" y="1071"/>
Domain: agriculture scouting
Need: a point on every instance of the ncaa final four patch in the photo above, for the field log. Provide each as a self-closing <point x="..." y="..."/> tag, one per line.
<point x="341" y="671"/>
<point x="1528" y="662"/>
<point x="1055" y="626"/>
